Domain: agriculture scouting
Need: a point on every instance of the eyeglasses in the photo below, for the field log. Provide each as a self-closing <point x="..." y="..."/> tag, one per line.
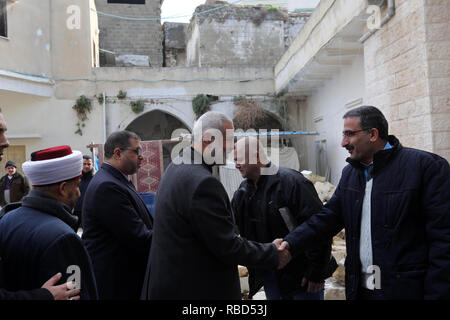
<point x="138" y="151"/>
<point x="351" y="133"/>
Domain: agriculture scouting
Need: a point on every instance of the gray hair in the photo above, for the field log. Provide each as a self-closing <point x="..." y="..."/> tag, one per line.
<point x="209" y="120"/>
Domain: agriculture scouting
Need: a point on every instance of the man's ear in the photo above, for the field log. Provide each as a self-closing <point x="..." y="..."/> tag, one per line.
<point x="62" y="188"/>
<point x="207" y="138"/>
<point x="374" y="134"/>
<point x="116" y="154"/>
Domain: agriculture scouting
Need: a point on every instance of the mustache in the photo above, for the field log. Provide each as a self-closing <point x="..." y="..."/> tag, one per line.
<point x="349" y="147"/>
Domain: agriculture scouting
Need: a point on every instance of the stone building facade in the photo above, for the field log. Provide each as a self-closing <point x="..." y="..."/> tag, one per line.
<point x="174" y="44"/>
<point x="130" y="37"/>
<point x="403" y="68"/>
<point x="240" y="35"/>
<point x="407" y="67"/>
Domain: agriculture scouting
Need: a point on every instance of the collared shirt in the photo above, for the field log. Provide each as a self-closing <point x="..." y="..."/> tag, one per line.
<point x="365" y="244"/>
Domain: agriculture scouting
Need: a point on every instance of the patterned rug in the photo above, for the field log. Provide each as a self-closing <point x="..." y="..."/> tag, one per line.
<point x="151" y="171"/>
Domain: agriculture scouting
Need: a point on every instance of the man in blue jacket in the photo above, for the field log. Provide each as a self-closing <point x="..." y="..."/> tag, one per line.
<point x="394" y="203"/>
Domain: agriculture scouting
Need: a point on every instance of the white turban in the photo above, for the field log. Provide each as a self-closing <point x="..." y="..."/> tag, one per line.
<point x="53" y="170"/>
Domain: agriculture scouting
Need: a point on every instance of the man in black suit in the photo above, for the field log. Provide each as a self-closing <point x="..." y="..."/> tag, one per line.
<point x="117" y="226"/>
<point x="196" y="248"/>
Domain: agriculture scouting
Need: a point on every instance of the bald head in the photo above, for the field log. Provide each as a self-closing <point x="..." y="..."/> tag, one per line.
<point x="249" y="157"/>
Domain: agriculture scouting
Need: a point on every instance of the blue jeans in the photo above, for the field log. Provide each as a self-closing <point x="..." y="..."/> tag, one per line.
<point x="272" y="290"/>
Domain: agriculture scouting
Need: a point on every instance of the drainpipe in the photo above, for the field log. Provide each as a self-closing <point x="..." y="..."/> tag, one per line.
<point x="390" y="14"/>
<point x="104" y="117"/>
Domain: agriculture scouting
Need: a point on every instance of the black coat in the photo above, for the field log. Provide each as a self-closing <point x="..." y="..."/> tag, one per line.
<point x="84" y="182"/>
<point x="196" y="249"/>
<point x="410" y="222"/>
<point x="18" y="188"/>
<point x="117" y="231"/>
<point x="256" y="210"/>
<point x="36" y="294"/>
<point x="37" y="241"/>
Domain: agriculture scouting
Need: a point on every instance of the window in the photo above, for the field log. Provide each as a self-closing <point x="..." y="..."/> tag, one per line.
<point x="127" y="1"/>
<point x="3" y="24"/>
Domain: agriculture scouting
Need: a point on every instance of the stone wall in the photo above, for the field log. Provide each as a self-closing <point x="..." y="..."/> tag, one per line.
<point x="278" y="3"/>
<point x="437" y="34"/>
<point x="407" y="67"/>
<point x="174" y="44"/>
<point x="126" y="37"/>
<point x="236" y="35"/>
<point x="293" y="25"/>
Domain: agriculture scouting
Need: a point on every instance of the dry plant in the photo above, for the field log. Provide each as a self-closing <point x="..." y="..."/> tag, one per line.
<point x="249" y="114"/>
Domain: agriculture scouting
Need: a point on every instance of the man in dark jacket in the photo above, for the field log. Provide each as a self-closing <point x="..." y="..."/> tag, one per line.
<point x="394" y="203"/>
<point x="87" y="174"/>
<point x="49" y="289"/>
<point x="13" y="185"/>
<point x="268" y="206"/>
<point x="117" y="226"/>
<point x="196" y="250"/>
<point x="38" y="239"/>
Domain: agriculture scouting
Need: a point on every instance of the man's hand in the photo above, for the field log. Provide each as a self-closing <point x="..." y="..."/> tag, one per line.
<point x="313" y="287"/>
<point x="284" y="256"/>
<point x="61" y="292"/>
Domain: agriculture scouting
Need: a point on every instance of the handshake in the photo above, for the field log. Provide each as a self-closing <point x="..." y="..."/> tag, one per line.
<point x="284" y="256"/>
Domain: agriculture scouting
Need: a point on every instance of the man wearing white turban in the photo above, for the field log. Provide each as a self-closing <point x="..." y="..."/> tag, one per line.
<point x="38" y="239"/>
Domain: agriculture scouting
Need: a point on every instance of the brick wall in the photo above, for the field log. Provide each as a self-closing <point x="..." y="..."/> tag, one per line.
<point x="132" y="37"/>
<point x="407" y="73"/>
<point x="437" y="34"/>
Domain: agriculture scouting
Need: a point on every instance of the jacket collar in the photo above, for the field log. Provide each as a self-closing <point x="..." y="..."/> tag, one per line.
<point x="42" y="202"/>
<point x="115" y="172"/>
<point x="195" y="157"/>
<point x="265" y="180"/>
<point x="15" y="175"/>
<point x="148" y="219"/>
<point x="87" y="175"/>
<point x="382" y="157"/>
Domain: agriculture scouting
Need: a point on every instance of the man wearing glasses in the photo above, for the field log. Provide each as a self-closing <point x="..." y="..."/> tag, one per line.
<point x="117" y="226"/>
<point x="394" y="203"/>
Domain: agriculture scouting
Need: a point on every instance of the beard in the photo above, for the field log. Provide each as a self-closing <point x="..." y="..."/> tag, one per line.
<point x="72" y="200"/>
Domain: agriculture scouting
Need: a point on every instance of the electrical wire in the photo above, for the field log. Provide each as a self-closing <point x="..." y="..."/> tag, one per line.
<point x="163" y="18"/>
